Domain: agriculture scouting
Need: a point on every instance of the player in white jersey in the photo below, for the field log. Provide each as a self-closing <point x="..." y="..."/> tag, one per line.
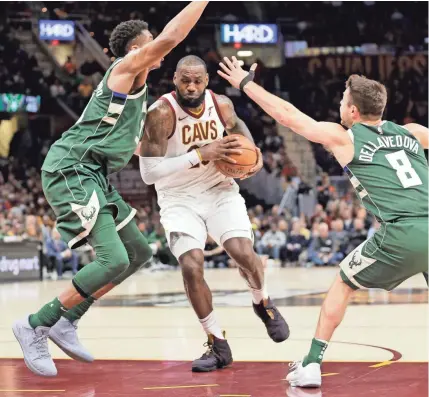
<point x="183" y="136"/>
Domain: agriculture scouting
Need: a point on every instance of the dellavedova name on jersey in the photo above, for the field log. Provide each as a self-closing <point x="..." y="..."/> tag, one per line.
<point x="369" y="149"/>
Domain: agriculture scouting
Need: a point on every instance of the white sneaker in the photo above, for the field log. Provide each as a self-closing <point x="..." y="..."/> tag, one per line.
<point x="64" y="335"/>
<point x="308" y="376"/>
<point x="34" y="345"/>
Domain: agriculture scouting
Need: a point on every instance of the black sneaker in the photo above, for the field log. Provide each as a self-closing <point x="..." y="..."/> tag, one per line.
<point x="218" y="355"/>
<point x="277" y="328"/>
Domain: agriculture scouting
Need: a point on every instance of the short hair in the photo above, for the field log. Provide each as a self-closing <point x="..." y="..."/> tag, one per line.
<point x="369" y="96"/>
<point x="191" y="60"/>
<point x="123" y="34"/>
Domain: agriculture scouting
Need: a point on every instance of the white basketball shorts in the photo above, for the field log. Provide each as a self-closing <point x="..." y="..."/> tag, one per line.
<point x="219" y="212"/>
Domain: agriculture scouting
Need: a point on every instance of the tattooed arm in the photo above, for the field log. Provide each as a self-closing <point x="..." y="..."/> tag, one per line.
<point x="234" y="125"/>
<point x="159" y="126"/>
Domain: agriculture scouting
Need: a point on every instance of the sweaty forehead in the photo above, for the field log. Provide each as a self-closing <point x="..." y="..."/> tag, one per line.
<point x="192" y="72"/>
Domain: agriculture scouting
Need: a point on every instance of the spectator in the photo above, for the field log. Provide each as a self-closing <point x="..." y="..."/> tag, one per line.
<point x="271" y="242"/>
<point x="339" y="237"/>
<point x="322" y="251"/>
<point x="56" y="89"/>
<point x="58" y="251"/>
<point x="347" y="216"/>
<point x="296" y="243"/>
<point x="70" y="66"/>
<point x="325" y="190"/>
<point x="357" y="236"/>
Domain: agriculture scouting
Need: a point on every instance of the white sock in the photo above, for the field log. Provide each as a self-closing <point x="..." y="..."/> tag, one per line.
<point x="259" y="294"/>
<point x="211" y="326"/>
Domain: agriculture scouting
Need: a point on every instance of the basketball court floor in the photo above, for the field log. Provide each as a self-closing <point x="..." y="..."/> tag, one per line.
<point x="144" y="336"/>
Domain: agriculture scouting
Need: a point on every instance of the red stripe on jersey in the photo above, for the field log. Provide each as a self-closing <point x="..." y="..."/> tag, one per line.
<point x="217" y="108"/>
<point x="196" y="116"/>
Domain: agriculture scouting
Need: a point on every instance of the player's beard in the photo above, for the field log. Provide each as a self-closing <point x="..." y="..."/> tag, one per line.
<point x="190" y="103"/>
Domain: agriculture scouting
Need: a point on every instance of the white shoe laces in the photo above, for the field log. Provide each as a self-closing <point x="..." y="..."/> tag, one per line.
<point x="40" y="342"/>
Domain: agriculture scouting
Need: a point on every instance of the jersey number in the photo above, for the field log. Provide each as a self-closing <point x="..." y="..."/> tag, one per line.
<point x="197" y="165"/>
<point x="404" y="170"/>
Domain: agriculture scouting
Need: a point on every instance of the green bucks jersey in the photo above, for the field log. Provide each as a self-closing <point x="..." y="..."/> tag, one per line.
<point x="106" y="134"/>
<point x="389" y="171"/>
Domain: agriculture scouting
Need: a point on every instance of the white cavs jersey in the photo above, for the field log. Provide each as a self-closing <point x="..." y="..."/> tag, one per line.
<point x="190" y="132"/>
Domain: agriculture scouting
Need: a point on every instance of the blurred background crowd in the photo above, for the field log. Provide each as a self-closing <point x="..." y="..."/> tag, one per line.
<point x="307" y="218"/>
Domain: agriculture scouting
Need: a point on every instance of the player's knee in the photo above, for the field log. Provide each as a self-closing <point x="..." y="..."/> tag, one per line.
<point x="192" y="265"/>
<point x="115" y="261"/>
<point x="241" y="250"/>
<point x="140" y="253"/>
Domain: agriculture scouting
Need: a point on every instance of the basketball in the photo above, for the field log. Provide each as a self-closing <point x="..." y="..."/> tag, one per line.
<point x="245" y="161"/>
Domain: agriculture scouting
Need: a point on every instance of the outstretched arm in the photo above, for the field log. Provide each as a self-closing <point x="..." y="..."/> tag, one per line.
<point x="420" y="132"/>
<point x="234" y="125"/>
<point x="328" y="134"/>
<point x="122" y="76"/>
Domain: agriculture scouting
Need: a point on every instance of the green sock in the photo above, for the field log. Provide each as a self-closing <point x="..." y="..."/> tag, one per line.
<point x="317" y="350"/>
<point x="48" y="315"/>
<point x="79" y="310"/>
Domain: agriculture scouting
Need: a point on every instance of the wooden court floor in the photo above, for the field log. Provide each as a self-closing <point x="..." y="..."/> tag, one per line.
<point x="144" y="336"/>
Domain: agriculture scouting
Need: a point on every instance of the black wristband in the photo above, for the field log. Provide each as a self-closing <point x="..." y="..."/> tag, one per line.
<point x="247" y="79"/>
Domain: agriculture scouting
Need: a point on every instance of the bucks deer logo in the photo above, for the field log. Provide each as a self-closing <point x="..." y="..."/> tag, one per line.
<point x="354" y="263"/>
<point x="88" y="213"/>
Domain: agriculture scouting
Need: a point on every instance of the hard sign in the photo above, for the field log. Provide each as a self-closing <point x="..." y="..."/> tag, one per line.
<point x="249" y="33"/>
<point x="56" y="30"/>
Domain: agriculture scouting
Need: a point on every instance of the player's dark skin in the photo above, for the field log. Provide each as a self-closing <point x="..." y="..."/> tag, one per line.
<point x="191" y="82"/>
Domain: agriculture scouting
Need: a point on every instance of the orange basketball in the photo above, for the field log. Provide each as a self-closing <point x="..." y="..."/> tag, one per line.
<point x="245" y="161"/>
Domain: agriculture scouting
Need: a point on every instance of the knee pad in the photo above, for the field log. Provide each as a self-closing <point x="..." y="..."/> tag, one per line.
<point x="139" y="253"/>
<point x="116" y="262"/>
<point x="111" y="261"/>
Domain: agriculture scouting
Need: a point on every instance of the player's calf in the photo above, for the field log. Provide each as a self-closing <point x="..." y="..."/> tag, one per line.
<point x="252" y="270"/>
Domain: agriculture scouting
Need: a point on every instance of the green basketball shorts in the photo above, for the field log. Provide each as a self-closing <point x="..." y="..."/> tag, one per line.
<point x="396" y="252"/>
<point x="77" y="195"/>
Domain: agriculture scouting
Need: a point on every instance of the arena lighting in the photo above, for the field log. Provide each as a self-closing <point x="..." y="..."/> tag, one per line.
<point x="244" y="53"/>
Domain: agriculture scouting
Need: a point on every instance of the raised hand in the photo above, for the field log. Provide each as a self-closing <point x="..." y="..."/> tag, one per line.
<point x="232" y="71"/>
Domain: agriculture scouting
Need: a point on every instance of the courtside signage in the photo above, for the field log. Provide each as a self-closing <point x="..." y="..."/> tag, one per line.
<point x="248" y="33"/>
<point x="56" y="30"/>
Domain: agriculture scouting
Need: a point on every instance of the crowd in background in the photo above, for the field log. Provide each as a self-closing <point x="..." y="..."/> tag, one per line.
<point x="338" y="224"/>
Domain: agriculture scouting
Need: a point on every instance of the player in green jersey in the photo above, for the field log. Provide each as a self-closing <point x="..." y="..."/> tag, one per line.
<point x="388" y="169"/>
<point x="75" y="182"/>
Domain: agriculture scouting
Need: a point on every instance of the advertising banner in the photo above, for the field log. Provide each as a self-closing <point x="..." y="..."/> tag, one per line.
<point x="20" y="261"/>
<point x="56" y="30"/>
<point x="378" y="67"/>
